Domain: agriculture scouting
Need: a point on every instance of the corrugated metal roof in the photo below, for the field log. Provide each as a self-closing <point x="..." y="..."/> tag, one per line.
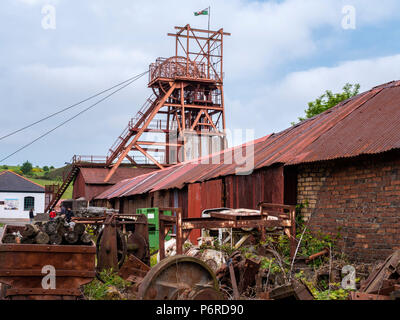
<point x="366" y="124"/>
<point x="97" y="175"/>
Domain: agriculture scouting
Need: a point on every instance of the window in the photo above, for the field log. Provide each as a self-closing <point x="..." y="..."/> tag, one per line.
<point x="29" y="203"/>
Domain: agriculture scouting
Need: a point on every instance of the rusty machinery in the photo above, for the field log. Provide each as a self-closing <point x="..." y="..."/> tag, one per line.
<point x="270" y="215"/>
<point x="123" y="245"/>
<point x="22" y="265"/>
<point x="121" y="234"/>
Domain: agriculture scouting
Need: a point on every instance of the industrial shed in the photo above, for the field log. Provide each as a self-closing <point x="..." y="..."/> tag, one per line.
<point x="89" y="181"/>
<point x="343" y="166"/>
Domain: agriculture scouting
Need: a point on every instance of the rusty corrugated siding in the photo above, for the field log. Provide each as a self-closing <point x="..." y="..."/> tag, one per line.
<point x="248" y="191"/>
<point x="78" y="190"/>
<point x="97" y="175"/>
<point x="366" y="124"/>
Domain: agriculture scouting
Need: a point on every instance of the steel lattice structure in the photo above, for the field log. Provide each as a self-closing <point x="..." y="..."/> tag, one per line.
<point x="184" y="118"/>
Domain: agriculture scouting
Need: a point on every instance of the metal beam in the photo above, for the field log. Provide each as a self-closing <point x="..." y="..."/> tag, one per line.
<point x="137" y="136"/>
<point x="149" y="156"/>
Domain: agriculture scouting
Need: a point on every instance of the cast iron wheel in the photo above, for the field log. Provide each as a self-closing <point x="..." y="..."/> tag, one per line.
<point x="180" y="278"/>
<point x="121" y="247"/>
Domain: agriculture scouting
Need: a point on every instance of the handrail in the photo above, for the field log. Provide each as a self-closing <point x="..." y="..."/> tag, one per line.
<point x="178" y="67"/>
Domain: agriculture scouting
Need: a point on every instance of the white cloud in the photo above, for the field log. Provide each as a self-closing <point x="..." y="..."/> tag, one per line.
<point x="283" y="102"/>
<point x="98" y="43"/>
<point x="38" y="2"/>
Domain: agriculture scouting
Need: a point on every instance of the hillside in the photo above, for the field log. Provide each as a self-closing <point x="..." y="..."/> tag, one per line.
<point x="54" y="176"/>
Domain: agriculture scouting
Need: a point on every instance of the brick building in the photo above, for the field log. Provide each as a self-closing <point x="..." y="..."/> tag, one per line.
<point x="342" y="166"/>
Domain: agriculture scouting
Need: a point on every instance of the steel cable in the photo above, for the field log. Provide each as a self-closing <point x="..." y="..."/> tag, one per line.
<point x="70" y="107"/>
<point x="75" y="116"/>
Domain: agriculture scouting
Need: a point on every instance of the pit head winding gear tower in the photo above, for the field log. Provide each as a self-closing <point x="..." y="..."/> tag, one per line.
<point x="184" y="118"/>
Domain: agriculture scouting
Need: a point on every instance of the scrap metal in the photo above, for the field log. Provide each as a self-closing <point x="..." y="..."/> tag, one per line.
<point x="113" y="244"/>
<point x="270" y="215"/>
<point x="315" y="139"/>
<point x="21" y="270"/>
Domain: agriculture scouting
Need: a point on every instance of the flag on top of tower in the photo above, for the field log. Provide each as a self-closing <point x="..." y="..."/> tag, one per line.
<point x="201" y="12"/>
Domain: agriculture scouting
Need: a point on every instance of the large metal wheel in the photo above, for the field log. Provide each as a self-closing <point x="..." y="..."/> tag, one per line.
<point x="180" y="278"/>
<point x="138" y="246"/>
<point x="121" y="247"/>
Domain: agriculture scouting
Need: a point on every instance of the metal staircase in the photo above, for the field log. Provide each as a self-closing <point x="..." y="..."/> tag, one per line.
<point x="69" y="177"/>
<point x="132" y="128"/>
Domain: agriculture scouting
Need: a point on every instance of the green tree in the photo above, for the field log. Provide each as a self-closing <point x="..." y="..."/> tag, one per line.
<point x="46" y="168"/>
<point x="26" y="167"/>
<point x="51" y="167"/>
<point x="329" y="100"/>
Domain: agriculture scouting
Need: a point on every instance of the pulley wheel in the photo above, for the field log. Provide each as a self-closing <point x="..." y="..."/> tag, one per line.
<point x="121" y="247"/>
<point x="138" y="246"/>
<point x="180" y="278"/>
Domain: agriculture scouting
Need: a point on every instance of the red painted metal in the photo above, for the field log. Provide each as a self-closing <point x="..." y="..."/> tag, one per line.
<point x="346" y="130"/>
<point x="21" y="269"/>
<point x="97" y="175"/>
<point x="90" y="181"/>
<point x="194" y="208"/>
<point x="188" y="99"/>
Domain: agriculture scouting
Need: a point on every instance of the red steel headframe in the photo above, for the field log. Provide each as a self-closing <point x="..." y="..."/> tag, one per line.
<point x="187" y="106"/>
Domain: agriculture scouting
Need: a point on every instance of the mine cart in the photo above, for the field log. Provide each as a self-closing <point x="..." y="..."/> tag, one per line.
<point x="43" y="271"/>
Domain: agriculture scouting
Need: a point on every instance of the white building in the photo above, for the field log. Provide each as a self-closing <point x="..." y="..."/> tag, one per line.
<point x="18" y="195"/>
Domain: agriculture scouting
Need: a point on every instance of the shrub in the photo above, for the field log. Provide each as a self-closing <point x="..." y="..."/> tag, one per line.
<point x="17" y="171"/>
<point x="26" y="167"/>
<point x="98" y="290"/>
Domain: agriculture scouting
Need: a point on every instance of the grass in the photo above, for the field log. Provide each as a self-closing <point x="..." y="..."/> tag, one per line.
<point x="43" y="182"/>
<point x="97" y="290"/>
<point x="9" y="168"/>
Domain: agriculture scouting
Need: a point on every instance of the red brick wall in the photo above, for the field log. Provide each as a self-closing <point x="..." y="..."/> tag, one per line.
<point x="358" y="199"/>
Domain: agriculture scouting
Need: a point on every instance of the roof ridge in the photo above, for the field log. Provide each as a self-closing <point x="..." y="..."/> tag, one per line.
<point x="24" y="178"/>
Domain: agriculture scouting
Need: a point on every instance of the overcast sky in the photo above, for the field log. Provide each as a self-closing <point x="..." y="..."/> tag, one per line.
<point x="281" y="55"/>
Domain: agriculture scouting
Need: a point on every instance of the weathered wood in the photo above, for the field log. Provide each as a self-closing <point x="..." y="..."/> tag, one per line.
<point x="27" y="241"/>
<point x="94" y="212"/>
<point x="51" y="227"/>
<point x="62" y="229"/>
<point x="9" y="238"/>
<point x="55" y="239"/>
<point x="42" y="238"/>
<point x="71" y="237"/>
<point x="86" y="238"/>
<point x="79" y="228"/>
<point x="30" y="231"/>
